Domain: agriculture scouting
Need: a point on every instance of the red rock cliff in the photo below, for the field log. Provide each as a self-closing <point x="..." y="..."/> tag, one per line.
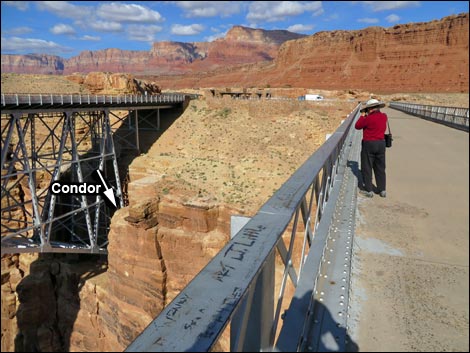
<point x="413" y="57"/>
<point x="33" y="64"/>
<point x="241" y="45"/>
<point x="420" y="57"/>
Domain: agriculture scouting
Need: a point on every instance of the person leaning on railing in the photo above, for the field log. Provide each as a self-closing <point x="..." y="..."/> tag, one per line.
<point x="373" y="124"/>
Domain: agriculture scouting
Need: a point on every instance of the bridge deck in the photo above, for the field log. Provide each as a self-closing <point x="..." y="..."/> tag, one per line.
<point x="410" y="284"/>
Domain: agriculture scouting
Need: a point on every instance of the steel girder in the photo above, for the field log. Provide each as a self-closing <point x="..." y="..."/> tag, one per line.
<point x="43" y="147"/>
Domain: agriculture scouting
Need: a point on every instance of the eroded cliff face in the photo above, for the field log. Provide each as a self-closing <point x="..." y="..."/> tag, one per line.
<point x="413" y="57"/>
<point x="241" y="45"/>
<point x="156" y="246"/>
<point x="420" y="57"/>
<point x="33" y="64"/>
<point x="107" y="83"/>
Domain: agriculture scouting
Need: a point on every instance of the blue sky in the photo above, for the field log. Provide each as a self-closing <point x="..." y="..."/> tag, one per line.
<point x="66" y="28"/>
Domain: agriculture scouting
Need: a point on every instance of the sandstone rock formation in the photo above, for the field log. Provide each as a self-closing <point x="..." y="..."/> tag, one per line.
<point x="107" y="83"/>
<point x="419" y="57"/>
<point x="249" y="45"/>
<point x="33" y="64"/>
<point x="412" y="57"/>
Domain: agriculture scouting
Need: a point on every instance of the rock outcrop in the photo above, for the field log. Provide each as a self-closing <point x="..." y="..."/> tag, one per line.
<point x="241" y="45"/>
<point x="412" y="57"/>
<point x="419" y="57"/>
<point x="33" y="64"/>
<point x="107" y="83"/>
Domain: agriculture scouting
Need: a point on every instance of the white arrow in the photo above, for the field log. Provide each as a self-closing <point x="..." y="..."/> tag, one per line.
<point x="109" y="191"/>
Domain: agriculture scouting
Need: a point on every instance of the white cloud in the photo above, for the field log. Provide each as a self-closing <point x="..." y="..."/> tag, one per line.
<point x="65" y="9"/>
<point x="29" y="45"/>
<point x="20" y="5"/>
<point x="189" y="30"/>
<point x="368" y="20"/>
<point x="62" y="29"/>
<point x="90" y="38"/>
<point x="102" y="26"/>
<point x="118" y="12"/>
<point x="392" y="18"/>
<point x="143" y="33"/>
<point x="209" y="8"/>
<point x="272" y="11"/>
<point x="299" y="28"/>
<point x="17" y="31"/>
<point x="377" y="6"/>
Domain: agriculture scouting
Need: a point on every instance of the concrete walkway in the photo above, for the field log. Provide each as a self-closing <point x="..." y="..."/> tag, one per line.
<point x="410" y="278"/>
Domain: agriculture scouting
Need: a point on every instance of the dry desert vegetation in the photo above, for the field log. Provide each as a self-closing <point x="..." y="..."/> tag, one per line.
<point x="236" y="152"/>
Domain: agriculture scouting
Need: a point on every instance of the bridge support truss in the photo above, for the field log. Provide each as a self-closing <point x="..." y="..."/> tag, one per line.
<point x="39" y="148"/>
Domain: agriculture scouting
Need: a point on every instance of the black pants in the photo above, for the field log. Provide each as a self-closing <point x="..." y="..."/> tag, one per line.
<point x="373" y="158"/>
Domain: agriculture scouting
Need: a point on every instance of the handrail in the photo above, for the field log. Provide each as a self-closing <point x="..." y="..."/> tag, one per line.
<point x="239" y="275"/>
<point x="30" y="100"/>
<point x="455" y="117"/>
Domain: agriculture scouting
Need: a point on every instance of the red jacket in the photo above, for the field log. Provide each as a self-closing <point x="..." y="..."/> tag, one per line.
<point x="374" y="126"/>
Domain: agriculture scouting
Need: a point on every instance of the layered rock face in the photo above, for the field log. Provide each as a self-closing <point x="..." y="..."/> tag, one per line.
<point x="156" y="246"/>
<point x="33" y="64"/>
<point x="260" y="36"/>
<point x="241" y="45"/>
<point x="109" y="60"/>
<point x="107" y="83"/>
<point x="420" y="57"/>
<point x="413" y="57"/>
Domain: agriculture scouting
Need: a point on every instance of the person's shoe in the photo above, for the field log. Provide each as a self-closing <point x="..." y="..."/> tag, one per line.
<point x="383" y="193"/>
<point x="366" y="193"/>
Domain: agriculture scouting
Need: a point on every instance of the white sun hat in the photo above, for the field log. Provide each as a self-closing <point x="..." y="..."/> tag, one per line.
<point x="371" y="103"/>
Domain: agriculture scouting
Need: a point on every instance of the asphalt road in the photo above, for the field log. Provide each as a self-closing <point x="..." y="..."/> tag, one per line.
<point x="410" y="280"/>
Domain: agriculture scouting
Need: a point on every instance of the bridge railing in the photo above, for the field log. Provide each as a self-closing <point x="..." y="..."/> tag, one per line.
<point x="95" y="99"/>
<point x="237" y="285"/>
<point x="450" y="116"/>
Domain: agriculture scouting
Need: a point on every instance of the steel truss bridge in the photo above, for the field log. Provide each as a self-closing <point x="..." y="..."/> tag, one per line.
<point x="315" y="208"/>
<point x="48" y="138"/>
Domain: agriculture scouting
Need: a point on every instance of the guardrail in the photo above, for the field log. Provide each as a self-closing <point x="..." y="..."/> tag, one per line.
<point x="42" y="100"/>
<point x="237" y="285"/>
<point x="451" y="116"/>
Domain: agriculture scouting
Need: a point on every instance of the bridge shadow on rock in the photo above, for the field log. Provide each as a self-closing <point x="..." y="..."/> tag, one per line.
<point x="148" y="135"/>
<point x="49" y="300"/>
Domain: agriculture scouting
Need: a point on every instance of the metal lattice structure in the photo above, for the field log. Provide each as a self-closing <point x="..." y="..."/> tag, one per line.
<point x="74" y="146"/>
<point x="451" y="116"/>
<point x="46" y="139"/>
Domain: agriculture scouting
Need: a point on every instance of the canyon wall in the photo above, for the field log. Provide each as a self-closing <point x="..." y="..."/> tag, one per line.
<point x="419" y="57"/>
<point x="33" y="64"/>
<point x="401" y="58"/>
<point x="240" y="45"/>
<point x="416" y="57"/>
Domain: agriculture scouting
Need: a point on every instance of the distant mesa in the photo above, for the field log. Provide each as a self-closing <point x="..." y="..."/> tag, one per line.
<point x="416" y="57"/>
<point x="241" y="45"/>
